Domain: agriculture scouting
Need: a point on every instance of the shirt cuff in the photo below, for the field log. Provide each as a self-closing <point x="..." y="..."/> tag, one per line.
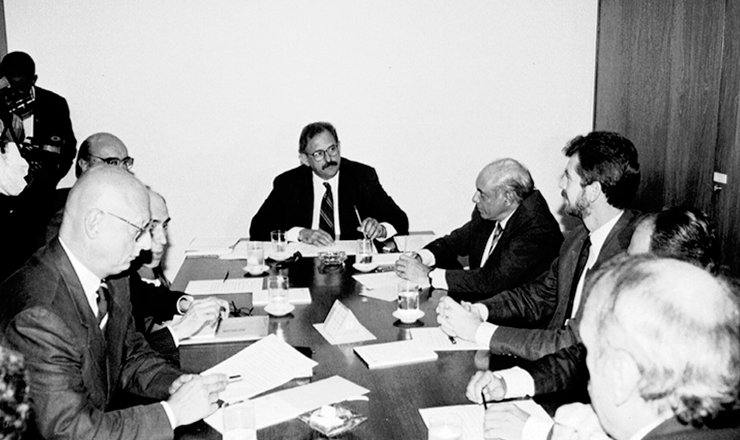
<point x="293" y="233"/>
<point x="174" y="337"/>
<point x="170" y="414"/>
<point x="390" y="231"/>
<point x="519" y="382"/>
<point x="427" y="257"/>
<point x="439" y="278"/>
<point x="537" y="428"/>
<point x="484" y="333"/>
<point x="180" y="300"/>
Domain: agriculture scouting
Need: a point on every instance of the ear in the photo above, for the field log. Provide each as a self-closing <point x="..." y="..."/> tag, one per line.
<point x="303" y="159"/>
<point x="35" y="78"/>
<point x="93" y="220"/>
<point x="624" y="375"/>
<point x="593" y="191"/>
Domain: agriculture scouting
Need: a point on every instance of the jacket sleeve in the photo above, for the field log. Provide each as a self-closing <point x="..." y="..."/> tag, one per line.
<point x="276" y="213"/>
<point x="380" y="206"/>
<point x="57" y="367"/>
<point x="532" y="344"/>
<point x="562" y="371"/>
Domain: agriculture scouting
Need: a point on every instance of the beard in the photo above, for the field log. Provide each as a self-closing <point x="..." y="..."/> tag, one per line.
<point x="581" y="208"/>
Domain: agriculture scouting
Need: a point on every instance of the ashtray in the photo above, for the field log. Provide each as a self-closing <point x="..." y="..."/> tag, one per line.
<point x="331" y="420"/>
<point x="332" y="258"/>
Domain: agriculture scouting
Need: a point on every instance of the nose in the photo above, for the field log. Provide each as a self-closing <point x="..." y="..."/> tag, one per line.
<point x="159" y="236"/>
<point x="476" y="197"/>
<point x="561" y="182"/>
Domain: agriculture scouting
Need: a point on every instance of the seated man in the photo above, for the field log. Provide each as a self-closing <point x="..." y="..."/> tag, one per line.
<point x="316" y="203"/>
<point x="680" y="233"/>
<point x="662" y="364"/>
<point x="511" y="239"/>
<point x="600" y="180"/>
<point x="154" y="304"/>
<point x="71" y="320"/>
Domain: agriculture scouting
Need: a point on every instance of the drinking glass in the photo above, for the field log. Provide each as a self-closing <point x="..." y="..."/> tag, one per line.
<point x="277" y="291"/>
<point x="408" y="296"/>
<point x="446" y="426"/>
<point x="279" y="245"/>
<point x="239" y="421"/>
<point x="255" y="254"/>
<point x="364" y="251"/>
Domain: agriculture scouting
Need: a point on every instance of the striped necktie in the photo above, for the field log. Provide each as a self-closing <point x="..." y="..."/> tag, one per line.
<point x="326" y="220"/>
<point x="103" y="296"/>
<point x="497" y="231"/>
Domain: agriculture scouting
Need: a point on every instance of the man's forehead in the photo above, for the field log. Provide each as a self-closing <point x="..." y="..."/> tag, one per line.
<point x="158" y="207"/>
<point x="321" y="140"/>
<point x="106" y="150"/>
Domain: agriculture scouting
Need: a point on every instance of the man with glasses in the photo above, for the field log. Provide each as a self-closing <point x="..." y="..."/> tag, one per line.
<point x="70" y="316"/>
<point x="316" y="203"/>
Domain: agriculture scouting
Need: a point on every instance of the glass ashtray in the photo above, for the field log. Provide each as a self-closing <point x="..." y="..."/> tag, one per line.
<point x="332" y="420"/>
<point x="332" y="258"/>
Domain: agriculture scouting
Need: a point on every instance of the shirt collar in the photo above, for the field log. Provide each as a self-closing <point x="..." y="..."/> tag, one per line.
<point x="318" y="184"/>
<point x="598" y="237"/>
<point x="506" y="219"/>
<point x="645" y="430"/>
<point x="90" y="282"/>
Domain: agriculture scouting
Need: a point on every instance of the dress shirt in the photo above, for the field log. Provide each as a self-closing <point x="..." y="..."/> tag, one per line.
<point x="318" y="193"/>
<point x="486" y="330"/>
<point x="437" y="276"/>
<point x="90" y="284"/>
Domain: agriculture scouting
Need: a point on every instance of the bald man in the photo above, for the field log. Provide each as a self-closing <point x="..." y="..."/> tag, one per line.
<point x="71" y="318"/>
<point x="511" y="239"/>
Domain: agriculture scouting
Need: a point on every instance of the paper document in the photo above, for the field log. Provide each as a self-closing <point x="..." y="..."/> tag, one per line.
<point x="266" y="364"/>
<point x="309" y="250"/>
<point x="211" y="245"/>
<point x="298" y="295"/>
<point x="245" y="328"/>
<point x="414" y="242"/>
<point x="382" y="286"/>
<point x="342" y="327"/>
<point x="285" y="405"/>
<point x="386" y="259"/>
<point x="237" y="252"/>
<point x="391" y="354"/>
<point x="437" y="340"/>
<point x="472" y="415"/>
<point x="234" y="285"/>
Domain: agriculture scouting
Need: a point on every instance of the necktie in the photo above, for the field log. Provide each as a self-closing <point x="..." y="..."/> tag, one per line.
<point x="580" y="265"/>
<point x="326" y="221"/>
<point x="102" y="302"/>
<point x="497" y="231"/>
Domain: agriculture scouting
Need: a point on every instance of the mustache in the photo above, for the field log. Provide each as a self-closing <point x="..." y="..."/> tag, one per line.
<point x="329" y="164"/>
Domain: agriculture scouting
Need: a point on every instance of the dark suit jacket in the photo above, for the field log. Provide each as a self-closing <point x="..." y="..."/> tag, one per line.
<point x="525" y="250"/>
<point x="73" y="367"/>
<point x="672" y="429"/>
<point x="544" y="302"/>
<point x="51" y="120"/>
<point x="290" y="203"/>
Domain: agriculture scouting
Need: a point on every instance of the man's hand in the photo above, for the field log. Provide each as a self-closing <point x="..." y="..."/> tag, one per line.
<point x="410" y="268"/>
<point x="577" y="422"/>
<point x="194" y="397"/>
<point x="456" y="320"/>
<point x="373" y="230"/>
<point x="504" y="421"/>
<point x="200" y="312"/>
<point x="484" y="383"/>
<point x="315" y="236"/>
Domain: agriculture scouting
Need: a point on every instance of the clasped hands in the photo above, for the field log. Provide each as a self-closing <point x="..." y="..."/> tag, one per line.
<point x="198" y="313"/>
<point x="370" y="228"/>
<point x="458" y="319"/>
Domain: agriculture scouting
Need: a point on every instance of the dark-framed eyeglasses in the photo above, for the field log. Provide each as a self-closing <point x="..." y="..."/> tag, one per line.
<point x="237" y="312"/>
<point x="126" y="162"/>
<point x="321" y="154"/>
<point x="140" y="230"/>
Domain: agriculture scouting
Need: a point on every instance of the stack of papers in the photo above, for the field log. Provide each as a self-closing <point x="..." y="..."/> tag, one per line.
<point x="435" y="339"/>
<point x="202" y="246"/>
<point x="215" y="287"/>
<point x="245" y="328"/>
<point x="391" y="354"/>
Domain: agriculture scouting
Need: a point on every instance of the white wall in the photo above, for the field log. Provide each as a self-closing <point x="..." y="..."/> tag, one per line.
<point x="210" y="97"/>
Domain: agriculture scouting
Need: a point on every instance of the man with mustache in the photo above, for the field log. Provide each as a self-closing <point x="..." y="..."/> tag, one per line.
<point x="317" y="204"/>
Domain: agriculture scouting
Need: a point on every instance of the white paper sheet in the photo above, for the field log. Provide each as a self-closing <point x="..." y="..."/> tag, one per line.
<point x="211" y="246"/>
<point x="382" y="293"/>
<point x="376" y="280"/>
<point x="435" y="339"/>
<point x="284" y="405"/>
<point x="341" y="326"/>
<point x="234" y="285"/>
<point x="266" y="364"/>
<point x="414" y="242"/>
<point x="308" y="250"/>
<point x="391" y="354"/>
<point x="298" y="295"/>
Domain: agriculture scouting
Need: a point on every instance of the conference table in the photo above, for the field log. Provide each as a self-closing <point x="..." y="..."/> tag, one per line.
<point x="396" y="393"/>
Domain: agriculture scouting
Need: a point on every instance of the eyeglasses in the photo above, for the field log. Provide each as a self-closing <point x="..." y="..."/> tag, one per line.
<point x="126" y="162"/>
<point x="140" y="230"/>
<point x="321" y="154"/>
<point x="236" y="312"/>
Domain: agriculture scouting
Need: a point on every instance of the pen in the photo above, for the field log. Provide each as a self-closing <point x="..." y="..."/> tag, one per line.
<point x="359" y="220"/>
<point x="510" y="399"/>
<point x="225" y="277"/>
<point x="454" y="341"/>
<point x="220" y="316"/>
<point x="235" y="378"/>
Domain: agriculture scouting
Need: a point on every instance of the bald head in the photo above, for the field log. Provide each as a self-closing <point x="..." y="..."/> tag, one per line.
<point x="96" y="147"/>
<point x="105" y="213"/>
<point x="509" y="175"/>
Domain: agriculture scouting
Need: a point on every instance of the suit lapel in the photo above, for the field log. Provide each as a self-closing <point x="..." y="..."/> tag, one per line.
<point x="347" y="201"/>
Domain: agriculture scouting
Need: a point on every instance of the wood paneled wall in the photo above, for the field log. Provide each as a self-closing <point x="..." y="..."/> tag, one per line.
<point x="667" y="78"/>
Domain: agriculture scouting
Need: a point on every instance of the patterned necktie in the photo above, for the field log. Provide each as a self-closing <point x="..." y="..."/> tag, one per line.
<point x="497" y="231"/>
<point x="102" y="302"/>
<point x="326" y="220"/>
<point x="580" y="265"/>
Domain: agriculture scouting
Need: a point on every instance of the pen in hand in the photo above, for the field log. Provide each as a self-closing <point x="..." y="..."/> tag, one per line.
<point x="220" y="316"/>
<point x="359" y="220"/>
<point x="453" y="340"/>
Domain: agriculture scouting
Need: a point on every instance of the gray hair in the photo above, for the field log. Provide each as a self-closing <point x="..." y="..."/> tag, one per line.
<point x="512" y="177"/>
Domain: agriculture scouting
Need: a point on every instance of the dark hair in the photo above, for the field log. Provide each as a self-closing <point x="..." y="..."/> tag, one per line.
<point x="14" y="397"/>
<point x="683" y="233"/>
<point x="17" y="64"/>
<point x="610" y="159"/>
<point x="311" y="130"/>
<point x="82" y="153"/>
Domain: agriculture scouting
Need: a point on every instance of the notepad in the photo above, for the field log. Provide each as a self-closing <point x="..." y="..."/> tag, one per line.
<point x="299" y="295"/>
<point x="245" y="328"/>
<point x="391" y="354"/>
<point x="435" y="339"/>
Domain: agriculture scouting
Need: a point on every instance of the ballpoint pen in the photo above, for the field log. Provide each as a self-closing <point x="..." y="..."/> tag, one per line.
<point x="220" y="315"/>
<point x="359" y="220"/>
<point x="452" y="339"/>
<point x="510" y="399"/>
<point x="225" y="277"/>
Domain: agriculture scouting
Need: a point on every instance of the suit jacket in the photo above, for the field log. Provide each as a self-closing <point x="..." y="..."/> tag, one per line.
<point x="672" y="429"/>
<point x="73" y="366"/>
<point x="525" y="250"/>
<point x="544" y="302"/>
<point x="290" y="203"/>
<point x="51" y="120"/>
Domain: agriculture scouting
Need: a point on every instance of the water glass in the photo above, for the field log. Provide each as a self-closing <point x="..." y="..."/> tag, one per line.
<point x="255" y="254"/>
<point x="364" y="251"/>
<point x="239" y="421"/>
<point x="408" y="296"/>
<point x="277" y="291"/>
<point x="446" y="426"/>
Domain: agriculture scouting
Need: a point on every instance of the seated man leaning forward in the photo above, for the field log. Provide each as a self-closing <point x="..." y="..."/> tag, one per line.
<point x="155" y="305"/>
<point x="73" y="324"/>
<point x="511" y="239"/>
<point x="317" y="202"/>
<point x="663" y="348"/>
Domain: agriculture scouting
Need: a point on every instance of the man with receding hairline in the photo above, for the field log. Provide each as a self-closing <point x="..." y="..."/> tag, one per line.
<point x="70" y="317"/>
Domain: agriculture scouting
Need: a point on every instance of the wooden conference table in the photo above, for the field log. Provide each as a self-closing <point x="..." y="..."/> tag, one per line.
<point x="396" y="393"/>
